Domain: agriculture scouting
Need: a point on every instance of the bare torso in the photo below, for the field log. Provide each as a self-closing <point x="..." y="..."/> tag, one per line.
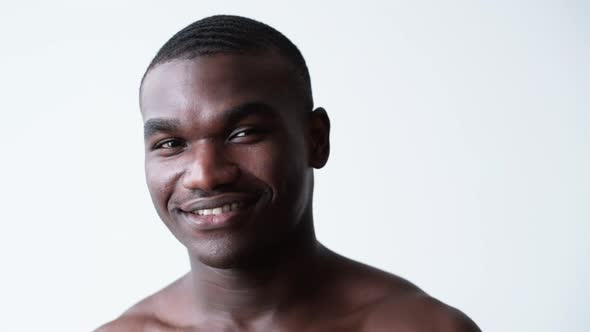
<point x="358" y="298"/>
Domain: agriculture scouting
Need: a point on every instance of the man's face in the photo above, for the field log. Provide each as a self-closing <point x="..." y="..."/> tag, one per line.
<point x="227" y="153"/>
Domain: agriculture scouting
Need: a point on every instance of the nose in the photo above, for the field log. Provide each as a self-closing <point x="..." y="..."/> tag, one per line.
<point x="208" y="168"/>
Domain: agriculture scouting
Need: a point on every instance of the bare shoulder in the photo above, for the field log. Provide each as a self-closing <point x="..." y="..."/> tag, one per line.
<point x="415" y="312"/>
<point x="133" y="323"/>
<point x="386" y="302"/>
<point x="153" y="313"/>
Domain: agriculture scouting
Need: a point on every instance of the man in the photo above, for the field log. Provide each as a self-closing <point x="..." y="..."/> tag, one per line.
<point x="231" y="141"/>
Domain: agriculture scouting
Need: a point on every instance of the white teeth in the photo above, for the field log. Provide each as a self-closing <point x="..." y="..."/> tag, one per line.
<point x="218" y="210"/>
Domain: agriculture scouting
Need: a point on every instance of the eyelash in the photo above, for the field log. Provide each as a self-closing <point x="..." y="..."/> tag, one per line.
<point x="160" y="145"/>
<point x="245" y="131"/>
<point x="239" y="133"/>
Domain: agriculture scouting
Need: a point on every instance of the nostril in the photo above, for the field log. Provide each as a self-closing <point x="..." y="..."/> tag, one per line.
<point x="209" y="176"/>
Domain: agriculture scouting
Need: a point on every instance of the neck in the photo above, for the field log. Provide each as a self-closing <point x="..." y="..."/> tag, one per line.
<point x="247" y="294"/>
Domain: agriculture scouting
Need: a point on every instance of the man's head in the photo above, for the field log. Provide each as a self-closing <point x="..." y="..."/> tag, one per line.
<point x="231" y="140"/>
<point x="226" y="34"/>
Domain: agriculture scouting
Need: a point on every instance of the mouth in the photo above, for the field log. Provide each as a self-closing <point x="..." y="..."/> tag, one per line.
<point x="235" y="206"/>
<point x="217" y="212"/>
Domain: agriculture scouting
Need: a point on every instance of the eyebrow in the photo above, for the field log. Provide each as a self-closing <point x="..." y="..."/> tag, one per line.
<point x="153" y="126"/>
<point x="230" y="116"/>
<point x="235" y="114"/>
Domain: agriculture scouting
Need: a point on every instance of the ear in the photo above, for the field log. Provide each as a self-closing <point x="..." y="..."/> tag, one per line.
<point x="318" y="137"/>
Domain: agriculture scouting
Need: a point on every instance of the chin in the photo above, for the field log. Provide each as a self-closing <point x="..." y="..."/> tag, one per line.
<point x="227" y="252"/>
<point x="222" y="262"/>
<point x="245" y="247"/>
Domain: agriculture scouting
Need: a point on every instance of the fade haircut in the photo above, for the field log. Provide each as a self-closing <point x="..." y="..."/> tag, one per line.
<point x="229" y="34"/>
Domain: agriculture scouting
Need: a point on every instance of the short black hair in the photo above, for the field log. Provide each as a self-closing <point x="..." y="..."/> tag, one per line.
<point x="232" y="34"/>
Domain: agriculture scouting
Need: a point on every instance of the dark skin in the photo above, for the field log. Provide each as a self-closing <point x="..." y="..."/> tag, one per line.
<point x="228" y="129"/>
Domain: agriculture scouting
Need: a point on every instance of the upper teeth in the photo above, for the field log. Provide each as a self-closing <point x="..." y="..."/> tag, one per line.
<point x="218" y="210"/>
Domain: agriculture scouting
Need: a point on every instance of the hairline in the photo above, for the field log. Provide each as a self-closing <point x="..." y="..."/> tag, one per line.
<point x="303" y="85"/>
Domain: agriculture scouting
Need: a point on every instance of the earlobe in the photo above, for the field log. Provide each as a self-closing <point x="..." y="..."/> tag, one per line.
<point x="319" y="137"/>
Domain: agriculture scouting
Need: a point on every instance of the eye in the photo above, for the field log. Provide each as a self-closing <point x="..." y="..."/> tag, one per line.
<point x="246" y="135"/>
<point x="243" y="133"/>
<point x="171" y="143"/>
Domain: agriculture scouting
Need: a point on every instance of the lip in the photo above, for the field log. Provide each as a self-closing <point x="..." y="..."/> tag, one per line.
<point x="218" y="221"/>
<point x="216" y="201"/>
<point x="214" y="222"/>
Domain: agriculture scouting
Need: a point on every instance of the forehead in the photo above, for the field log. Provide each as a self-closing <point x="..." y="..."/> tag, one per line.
<point x="215" y="83"/>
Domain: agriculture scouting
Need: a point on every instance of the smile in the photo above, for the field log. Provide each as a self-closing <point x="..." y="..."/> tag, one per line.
<point x="217" y="212"/>
<point x="235" y="206"/>
<point x="217" y="215"/>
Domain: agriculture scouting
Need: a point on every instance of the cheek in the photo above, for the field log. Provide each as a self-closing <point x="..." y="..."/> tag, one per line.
<point x="269" y="162"/>
<point x="281" y="166"/>
<point x="160" y="179"/>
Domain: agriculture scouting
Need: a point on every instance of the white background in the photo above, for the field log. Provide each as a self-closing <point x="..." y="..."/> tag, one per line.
<point x="460" y="152"/>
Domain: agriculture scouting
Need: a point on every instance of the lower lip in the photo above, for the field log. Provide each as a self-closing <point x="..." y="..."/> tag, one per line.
<point x="215" y="221"/>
